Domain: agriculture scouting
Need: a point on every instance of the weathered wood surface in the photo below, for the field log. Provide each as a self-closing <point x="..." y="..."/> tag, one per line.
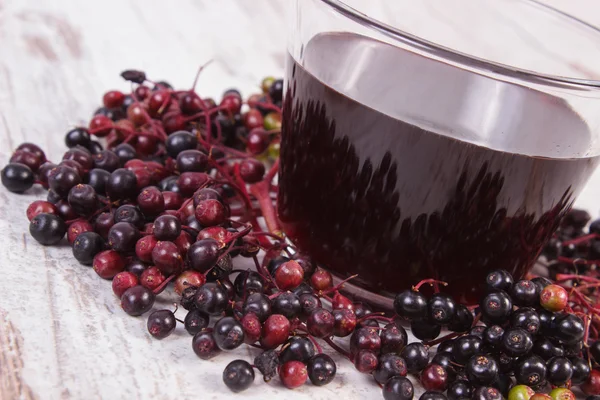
<point x="62" y="332"/>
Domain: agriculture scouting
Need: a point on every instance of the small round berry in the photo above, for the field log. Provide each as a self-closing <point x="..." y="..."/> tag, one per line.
<point x="195" y="321"/>
<point x="122" y="237"/>
<point x="32" y="148"/>
<point x="568" y="328"/>
<point x="486" y="393"/>
<point x="180" y="141"/>
<point x="252" y="170"/>
<point x="211" y="299"/>
<point x="520" y="392"/>
<point x="592" y="385"/>
<point x="137" y="300"/>
<point x="496" y="307"/>
<point x="531" y="371"/>
<point x="541" y="283"/>
<point x="275" y="331"/>
<point x="517" y="342"/>
<point x="289" y="275"/>
<point x="40" y="207"/>
<point x="123" y="281"/>
<point x="252" y="328"/>
<point x="167" y="258"/>
<point x="554" y="298"/>
<point x="321" y="369"/>
<point x="161" y="323"/>
<point x="398" y="388"/>
<point x="272" y="121"/>
<point x="344" y="322"/>
<point x="524" y="293"/>
<point x="248" y="282"/>
<point x="211" y="212"/>
<point x="121" y="184"/>
<point x="562" y="394"/>
<point x="188" y="278"/>
<point x="228" y="333"/>
<point x="366" y="361"/>
<point x="320" y="323"/>
<point x="499" y="279"/>
<point x="297" y="349"/>
<point x="191" y="161"/>
<point x="459" y="389"/>
<point x="441" y="309"/>
<point x="463" y="320"/>
<point x="389" y="365"/>
<point x="424" y="329"/>
<point x="321" y="279"/>
<point x="410" y="304"/>
<point x="526" y="318"/>
<point x="108" y="263"/>
<point x="86" y="246"/>
<point x="466" y="347"/>
<point x="31" y="160"/>
<point x="113" y="99"/>
<point x="434" y="377"/>
<point x="581" y="370"/>
<point x="204" y="345"/>
<point x="287" y="304"/>
<point x="293" y="374"/>
<point x="62" y="179"/>
<point x="393" y="338"/>
<point x="238" y="375"/>
<point x="559" y="370"/>
<point x="482" y="370"/>
<point x="431" y="395"/>
<point x="47" y="229"/>
<point x="203" y="254"/>
<point x="416" y="357"/>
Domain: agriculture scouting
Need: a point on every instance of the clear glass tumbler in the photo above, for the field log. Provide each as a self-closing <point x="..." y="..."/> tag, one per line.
<point x="434" y="138"/>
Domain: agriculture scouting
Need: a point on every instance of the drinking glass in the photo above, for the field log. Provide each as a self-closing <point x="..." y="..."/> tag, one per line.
<point x="436" y="139"/>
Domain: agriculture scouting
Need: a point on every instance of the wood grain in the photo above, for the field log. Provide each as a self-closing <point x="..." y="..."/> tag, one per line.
<point x="62" y="332"/>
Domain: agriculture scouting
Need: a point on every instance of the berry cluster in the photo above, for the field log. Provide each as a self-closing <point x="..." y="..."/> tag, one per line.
<point x="177" y="195"/>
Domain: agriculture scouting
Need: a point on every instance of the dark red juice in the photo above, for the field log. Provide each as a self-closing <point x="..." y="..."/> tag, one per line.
<point x="366" y="192"/>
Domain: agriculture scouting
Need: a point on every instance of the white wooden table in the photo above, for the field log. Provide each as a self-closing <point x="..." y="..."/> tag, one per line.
<point x="62" y="332"/>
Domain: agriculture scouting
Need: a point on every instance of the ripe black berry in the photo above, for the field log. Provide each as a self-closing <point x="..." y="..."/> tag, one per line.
<point x="204" y="345"/>
<point x="393" y="338"/>
<point x="195" y="321"/>
<point x="248" y="282"/>
<point x="531" y="371"/>
<point x="321" y="369"/>
<point x="228" y="333"/>
<point x="441" y="309"/>
<point x="568" y="328"/>
<point x="496" y="307"/>
<point x="137" y="300"/>
<point x="398" y="388"/>
<point x="86" y="246"/>
<point x="466" y="347"/>
<point x="482" y="370"/>
<point x="486" y="393"/>
<point x="389" y="365"/>
<point x="559" y="370"/>
<point x="17" y="177"/>
<point x="432" y="395"/>
<point x="416" y="357"/>
<point x="238" y="375"/>
<point x="526" y="318"/>
<point x="47" y="229"/>
<point x="493" y="335"/>
<point x="459" y="390"/>
<point x="161" y="323"/>
<point x="259" y="304"/>
<point x="462" y="321"/>
<point x="424" y="329"/>
<point x="499" y="279"/>
<point x="211" y="299"/>
<point x="297" y="349"/>
<point x="581" y="370"/>
<point x="524" y="293"/>
<point x="516" y="342"/>
<point x="287" y="304"/>
<point x="410" y="304"/>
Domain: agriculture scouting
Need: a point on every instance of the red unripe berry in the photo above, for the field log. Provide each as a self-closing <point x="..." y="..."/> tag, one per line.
<point x="188" y="278"/>
<point x="108" y="263"/>
<point x="275" y="331"/>
<point x="113" y="99"/>
<point x="293" y="374"/>
<point x="289" y="275"/>
<point x="40" y="207"/>
<point x="123" y="281"/>
<point x="100" y="125"/>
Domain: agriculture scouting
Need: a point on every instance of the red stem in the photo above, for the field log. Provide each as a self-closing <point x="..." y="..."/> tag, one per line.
<point x="428" y="282"/>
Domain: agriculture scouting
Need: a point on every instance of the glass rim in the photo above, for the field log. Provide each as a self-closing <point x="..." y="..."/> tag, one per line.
<point x="466" y="59"/>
